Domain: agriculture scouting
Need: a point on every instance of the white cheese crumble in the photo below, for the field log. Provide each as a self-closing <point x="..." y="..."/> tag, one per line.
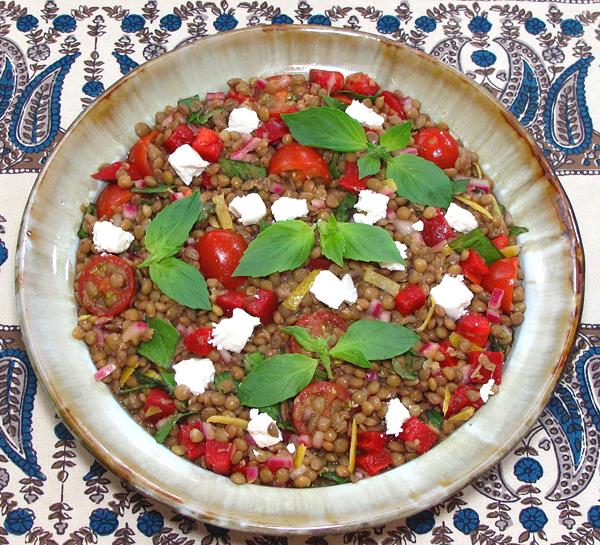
<point x="187" y="163"/>
<point x="110" y="238"/>
<point x="364" y="115"/>
<point x="258" y="428"/>
<point x="395" y="417"/>
<point x="286" y="208"/>
<point x="460" y="219"/>
<point x="195" y="373"/>
<point x="243" y="120"/>
<point x="418" y="226"/>
<point x="249" y="209"/>
<point x="291" y="448"/>
<point x="452" y="295"/>
<point x="402" y="248"/>
<point x="486" y="390"/>
<point x="332" y="291"/>
<point x="374" y="206"/>
<point x="233" y="333"/>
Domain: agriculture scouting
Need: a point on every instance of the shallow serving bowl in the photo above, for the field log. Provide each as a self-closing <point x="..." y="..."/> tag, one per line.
<point x="551" y="256"/>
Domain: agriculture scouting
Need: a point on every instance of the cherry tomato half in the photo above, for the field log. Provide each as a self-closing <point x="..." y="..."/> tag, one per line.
<point x="327" y="79"/>
<point x="138" y="156"/>
<point x="362" y="84"/>
<point x="302" y="159"/>
<point x="220" y="252"/>
<point x="96" y="285"/>
<point x="502" y="275"/>
<point x="320" y="323"/>
<point x="208" y="144"/>
<point x="110" y="199"/>
<point x="437" y="146"/>
<point x="302" y="406"/>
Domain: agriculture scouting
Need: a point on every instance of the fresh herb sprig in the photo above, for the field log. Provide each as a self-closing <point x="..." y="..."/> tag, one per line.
<point x="318" y="345"/>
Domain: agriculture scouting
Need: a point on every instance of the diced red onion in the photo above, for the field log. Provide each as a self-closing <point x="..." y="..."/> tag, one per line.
<point x="207" y="430"/>
<point x="375" y="308"/>
<point x="191" y="241"/>
<point x="140" y="184"/>
<point x="466" y="374"/>
<point x="407" y="103"/>
<point x="439" y="246"/>
<point x="250" y="440"/>
<point x="480" y="184"/>
<point x="372" y="376"/>
<point x="390" y="214"/>
<point x="242" y="153"/>
<point x="100" y="335"/>
<point x="427" y="347"/>
<point x="277" y="188"/>
<point x="130" y="211"/>
<point x="318" y="203"/>
<point x="225" y="356"/>
<point x="105" y="371"/>
<point x="317" y="439"/>
<point x="261" y="83"/>
<point x="295" y="473"/>
<point x="280" y="460"/>
<point x="177" y="195"/>
<point x="418" y="238"/>
<point x="103" y="320"/>
<point x="385" y="316"/>
<point x="404" y="227"/>
<point x="134" y="331"/>
<point x="215" y="96"/>
<point x="493" y="315"/>
<point x="251" y="473"/>
<point x="407" y="151"/>
<point x="304" y="439"/>
<point x="167" y="121"/>
<point x="496" y="298"/>
<point x="184" y="330"/>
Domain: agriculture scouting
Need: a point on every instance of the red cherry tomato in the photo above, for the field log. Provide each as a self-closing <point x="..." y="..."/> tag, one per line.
<point x="197" y="343"/>
<point x="436" y="230"/>
<point x="238" y="97"/>
<point x="437" y="146"/>
<point x="475" y="328"/>
<point x="308" y="162"/>
<point x="208" y="144"/>
<point x="273" y="130"/>
<point x="110" y="199"/>
<point x="220" y="252"/>
<point x="158" y="405"/>
<point x="109" y="173"/>
<point x="394" y="103"/>
<point x="502" y="275"/>
<point x="320" y="323"/>
<point x="138" y="156"/>
<point x="96" y="292"/>
<point x="361" y="83"/>
<point x="328" y="79"/>
<point x="330" y="391"/>
<point x="230" y="300"/>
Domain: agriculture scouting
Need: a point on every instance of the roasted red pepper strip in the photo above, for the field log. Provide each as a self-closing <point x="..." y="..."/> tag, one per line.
<point x="394" y="103"/>
<point x="273" y="130"/>
<point x="409" y="299"/>
<point x="460" y="400"/>
<point x="180" y="136"/>
<point x="109" y="173"/>
<point x="483" y="375"/>
<point x="418" y="432"/>
<point x="262" y="305"/>
<point x="474" y="267"/>
<point x="208" y="144"/>
<point x="350" y="180"/>
<point x="371" y="441"/>
<point x="475" y="328"/>
<point x="448" y="361"/>
<point x="436" y="230"/>
<point x="319" y="263"/>
<point x="157" y="399"/>
<point x="194" y="450"/>
<point x="230" y="300"/>
<point x="501" y="241"/>
<point x="374" y="462"/>
<point x="217" y="456"/>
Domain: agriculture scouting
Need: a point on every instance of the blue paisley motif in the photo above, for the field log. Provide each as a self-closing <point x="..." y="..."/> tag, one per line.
<point x="7" y="86"/>
<point x="563" y="406"/>
<point x="526" y="103"/>
<point x="36" y="118"/>
<point x="588" y="363"/>
<point x="126" y="63"/>
<point x="17" y="391"/>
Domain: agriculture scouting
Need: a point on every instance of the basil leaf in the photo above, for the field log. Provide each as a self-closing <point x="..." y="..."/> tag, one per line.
<point x="516" y="230"/>
<point x="91" y="210"/>
<point x="344" y="211"/>
<point x="161" y="347"/>
<point x="252" y="360"/>
<point x="262" y="225"/>
<point x="181" y="282"/>
<point x="283" y="246"/>
<point x="241" y="169"/>
<point x="326" y="128"/>
<point x="407" y="366"/>
<point x="317" y="345"/>
<point x="169" y="380"/>
<point x="369" y="243"/>
<point x="208" y="209"/>
<point x="276" y="379"/>
<point x="333" y="243"/>
<point x="396" y="137"/>
<point x="164" y="431"/>
<point x="137" y="388"/>
<point x="333" y="476"/>
<point x="459" y="186"/>
<point x="162" y="188"/>
<point x="357" y="96"/>
<point x="274" y="412"/>
<point x="435" y="417"/>
<point x="333" y="166"/>
<point x="171" y="227"/>
<point x="200" y="117"/>
<point x="189" y="100"/>
<point x="368" y="165"/>
<point x="375" y="340"/>
<point x="222" y="377"/>
<point x="334" y="103"/>
<point x="480" y="243"/>
<point x="420" y="181"/>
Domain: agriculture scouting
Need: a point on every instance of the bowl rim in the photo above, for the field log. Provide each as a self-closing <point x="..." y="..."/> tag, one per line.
<point x="147" y="486"/>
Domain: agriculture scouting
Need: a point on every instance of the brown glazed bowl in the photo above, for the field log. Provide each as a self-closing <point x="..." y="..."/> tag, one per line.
<point x="551" y="256"/>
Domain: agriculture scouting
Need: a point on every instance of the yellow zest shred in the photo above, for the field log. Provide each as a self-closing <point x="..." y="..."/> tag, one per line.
<point x="153" y="375"/>
<point x="446" y="403"/>
<point x="474" y="206"/>
<point x="299" y="458"/>
<point x="478" y="170"/>
<point x="462" y="416"/>
<point x="84" y="317"/>
<point x="428" y="317"/>
<point x="219" y="419"/>
<point x="455" y="340"/>
<point x="388" y="183"/>
<point x="353" y="442"/>
<point x="222" y="211"/>
<point x="151" y="411"/>
<point x="293" y="300"/>
<point x="446" y="250"/>
<point x="382" y="282"/>
<point x="510" y="251"/>
<point x="125" y="374"/>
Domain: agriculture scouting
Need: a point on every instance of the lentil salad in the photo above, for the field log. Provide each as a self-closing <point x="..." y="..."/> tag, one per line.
<point x="359" y="355"/>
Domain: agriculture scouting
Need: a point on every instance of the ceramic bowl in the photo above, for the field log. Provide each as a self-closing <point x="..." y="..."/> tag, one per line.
<point x="551" y="256"/>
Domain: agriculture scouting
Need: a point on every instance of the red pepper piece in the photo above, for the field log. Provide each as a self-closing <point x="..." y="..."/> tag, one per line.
<point x="418" y="432"/>
<point x="217" y="456"/>
<point x="474" y="267"/>
<point x="273" y="130"/>
<point x="109" y="173"/>
<point x="327" y="79"/>
<point x="460" y="401"/>
<point x="208" y="144"/>
<point x="475" y="328"/>
<point x="409" y="299"/>
<point x="501" y="241"/>
<point x="262" y="305"/>
<point x="238" y="97"/>
<point x="230" y="300"/>
<point x="194" y="450"/>
<point x="319" y="263"/>
<point x="436" y="230"/>
<point x="197" y="341"/>
<point x="483" y="374"/>
<point x="394" y="103"/>
<point x="448" y="361"/>
<point x="374" y="462"/>
<point x="361" y="83"/>
<point x="350" y="180"/>
<point x="346" y="99"/>
<point x="158" y="399"/>
<point x="371" y="441"/>
<point x="205" y="182"/>
<point x="180" y="136"/>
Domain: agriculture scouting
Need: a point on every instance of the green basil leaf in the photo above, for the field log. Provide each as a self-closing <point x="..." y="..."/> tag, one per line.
<point x="435" y="417"/>
<point x="396" y="137"/>
<point x="326" y="128"/>
<point x="407" y="366"/>
<point x="200" y="117"/>
<point x="357" y="96"/>
<point x="334" y="103"/>
<point x="283" y="246"/>
<point x="333" y="476"/>
<point x="181" y="282"/>
<point x="169" y="379"/>
<point x="480" y="243"/>
<point x="459" y="186"/>
<point x="516" y="230"/>
<point x="274" y="411"/>
<point x="375" y="340"/>
<point x="137" y="388"/>
<point x="334" y="171"/>
<point x="420" y="181"/>
<point x="333" y="243"/>
<point x="242" y="169"/>
<point x="317" y="345"/>
<point x="208" y="209"/>
<point x="252" y="360"/>
<point x="189" y="101"/>
<point x="276" y="379"/>
<point x="171" y="227"/>
<point x="368" y="165"/>
<point x="222" y="377"/>
<point x="162" y="188"/>
<point x="161" y="347"/>
<point x="91" y="210"/>
<point x="344" y="211"/>
<point x="262" y="225"/>
<point x="369" y="243"/>
<point x="164" y="431"/>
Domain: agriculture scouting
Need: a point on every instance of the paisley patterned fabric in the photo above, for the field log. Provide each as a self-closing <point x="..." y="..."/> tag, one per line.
<point x="538" y="58"/>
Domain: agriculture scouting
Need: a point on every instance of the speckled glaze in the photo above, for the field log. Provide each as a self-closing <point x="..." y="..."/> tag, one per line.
<point x="552" y="258"/>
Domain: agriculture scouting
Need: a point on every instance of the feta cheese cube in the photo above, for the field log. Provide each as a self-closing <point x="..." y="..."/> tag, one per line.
<point x="418" y="226"/>
<point x="249" y="209"/>
<point x="374" y="206"/>
<point x="187" y="163"/>
<point x="332" y="291"/>
<point x="395" y="417"/>
<point x="291" y="448"/>
<point x="258" y="428"/>
<point x="110" y="238"/>
<point x="243" y="120"/>
<point x="452" y="295"/>
<point x="286" y="208"/>
<point x="460" y="219"/>
<point x="233" y="333"/>
<point x="402" y="248"/>
<point x="195" y="373"/>
<point x="364" y="115"/>
<point x="486" y="390"/>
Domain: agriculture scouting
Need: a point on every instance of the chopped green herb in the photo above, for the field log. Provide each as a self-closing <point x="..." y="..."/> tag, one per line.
<point x="274" y="411"/>
<point x="91" y="210"/>
<point x="333" y="166"/>
<point x="333" y="476"/>
<point x="357" y="96"/>
<point x="318" y="345"/>
<point x="242" y="169"/>
<point x="169" y="379"/>
<point x="407" y="366"/>
<point x="164" y="431"/>
<point x="479" y="242"/>
<point x="201" y="118"/>
<point x="516" y="230"/>
<point x="459" y="186"/>
<point x="344" y="211"/>
<point x="435" y="417"/>
<point x="162" y="188"/>
<point x="134" y="389"/>
<point x="334" y="103"/>
<point x="189" y="101"/>
<point x="222" y="377"/>
<point x="368" y="166"/>
<point x="208" y="209"/>
<point x="182" y="282"/>
<point x="161" y="347"/>
<point x="262" y="225"/>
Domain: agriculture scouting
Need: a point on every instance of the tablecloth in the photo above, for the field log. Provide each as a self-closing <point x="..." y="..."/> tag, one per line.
<point x="537" y="57"/>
